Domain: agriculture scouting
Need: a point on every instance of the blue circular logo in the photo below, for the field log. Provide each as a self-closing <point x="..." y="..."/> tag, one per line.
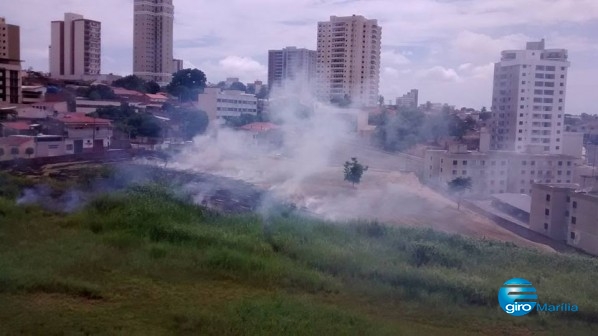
<point x="517" y="297"/>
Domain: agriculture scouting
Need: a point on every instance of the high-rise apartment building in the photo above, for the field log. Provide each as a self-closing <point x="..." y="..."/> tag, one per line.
<point x="410" y="99"/>
<point x="349" y="59"/>
<point x="528" y="101"/>
<point x="177" y="65"/>
<point x="152" y="41"/>
<point x="292" y="66"/>
<point x="10" y="63"/>
<point x="75" y="49"/>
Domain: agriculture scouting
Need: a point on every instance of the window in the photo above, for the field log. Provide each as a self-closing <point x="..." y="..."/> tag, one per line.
<point x="566" y="213"/>
<point x="573" y="220"/>
<point x="547" y="197"/>
<point x="465" y="163"/>
<point x="464" y="172"/>
<point x="454" y="162"/>
<point x="572" y="235"/>
<point x="545" y="226"/>
<point x="454" y="172"/>
<point x="568" y="199"/>
<point x="574" y="205"/>
<point x="547" y="212"/>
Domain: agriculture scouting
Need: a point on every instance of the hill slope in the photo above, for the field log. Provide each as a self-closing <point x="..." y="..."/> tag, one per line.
<point x="143" y="261"/>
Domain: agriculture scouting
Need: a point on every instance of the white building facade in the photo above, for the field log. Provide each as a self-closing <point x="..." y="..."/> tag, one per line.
<point x="495" y="172"/>
<point x="292" y="66"/>
<point x="219" y="103"/>
<point x="349" y="59"/>
<point x="76" y="47"/>
<point x="152" y="41"/>
<point x="528" y="102"/>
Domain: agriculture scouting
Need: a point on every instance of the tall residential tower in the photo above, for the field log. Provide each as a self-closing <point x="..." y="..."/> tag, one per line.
<point x="292" y="66"/>
<point x="528" y="101"/>
<point x="75" y="49"/>
<point x="349" y="59"/>
<point x="10" y="63"/>
<point x="152" y="42"/>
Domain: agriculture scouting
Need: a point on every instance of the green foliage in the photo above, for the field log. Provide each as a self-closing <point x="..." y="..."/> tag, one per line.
<point x="131" y="82"/>
<point x="186" y="84"/>
<point x="354" y="170"/>
<point x="459" y="127"/>
<point x="344" y="101"/>
<point x="127" y="120"/>
<point x="400" y="131"/>
<point x="96" y="92"/>
<point x="192" y="121"/>
<point x="241" y="120"/>
<point x="152" y="87"/>
<point x="263" y="93"/>
<point x="459" y="184"/>
<point x="238" y="86"/>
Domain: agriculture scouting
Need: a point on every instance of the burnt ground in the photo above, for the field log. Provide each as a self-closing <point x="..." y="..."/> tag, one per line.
<point x="67" y="187"/>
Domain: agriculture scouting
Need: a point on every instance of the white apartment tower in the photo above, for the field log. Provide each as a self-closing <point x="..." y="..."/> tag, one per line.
<point x="528" y="101"/>
<point x="292" y="66"/>
<point x="152" y="41"/>
<point x="349" y="59"/>
<point x="75" y="48"/>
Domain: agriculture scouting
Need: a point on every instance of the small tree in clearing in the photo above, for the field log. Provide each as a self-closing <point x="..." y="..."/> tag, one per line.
<point x="458" y="186"/>
<point x="354" y="171"/>
<point x="29" y="151"/>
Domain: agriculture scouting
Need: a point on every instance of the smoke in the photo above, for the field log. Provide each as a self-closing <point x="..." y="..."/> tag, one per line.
<point x="47" y="198"/>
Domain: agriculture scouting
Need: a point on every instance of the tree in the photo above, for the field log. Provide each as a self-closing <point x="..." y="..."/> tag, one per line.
<point x="459" y="127"/>
<point x="29" y="151"/>
<point x="354" y="171"/>
<point x="401" y="131"/>
<point x="238" y="86"/>
<point x="186" y="84"/>
<point x="263" y="93"/>
<point x="192" y="121"/>
<point x="250" y="89"/>
<point x="458" y="186"/>
<point x="241" y="120"/>
<point x="130" y="82"/>
<point x="152" y="87"/>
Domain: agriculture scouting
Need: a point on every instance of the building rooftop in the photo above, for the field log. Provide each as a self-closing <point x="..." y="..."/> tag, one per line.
<point x="156" y="96"/>
<point x="80" y="118"/>
<point x="17" y="125"/>
<point x="259" y="127"/>
<point x="520" y="201"/>
<point x="15" y="140"/>
<point x="124" y="92"/>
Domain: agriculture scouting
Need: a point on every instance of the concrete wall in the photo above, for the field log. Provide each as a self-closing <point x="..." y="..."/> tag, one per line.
<point x="584" y="211"/>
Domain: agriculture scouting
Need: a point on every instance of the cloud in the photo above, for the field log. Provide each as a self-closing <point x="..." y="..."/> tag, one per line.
<point x="440" y="73"/>
<point x="443" y="57"/>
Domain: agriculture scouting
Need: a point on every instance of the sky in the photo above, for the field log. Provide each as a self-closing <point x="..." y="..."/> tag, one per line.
<point x="444" y="48"/>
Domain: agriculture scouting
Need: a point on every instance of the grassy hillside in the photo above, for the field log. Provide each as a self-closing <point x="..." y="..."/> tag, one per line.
<point x="142" y="261"/>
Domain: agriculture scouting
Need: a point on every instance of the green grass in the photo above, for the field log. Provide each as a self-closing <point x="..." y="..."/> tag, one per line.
<point x="143" y="261"/>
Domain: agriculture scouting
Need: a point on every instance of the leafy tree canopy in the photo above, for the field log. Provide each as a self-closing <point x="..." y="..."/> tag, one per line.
<point x="131" y="82"/>
<point x="354" y="171"/>
<point x="186" y="84"/>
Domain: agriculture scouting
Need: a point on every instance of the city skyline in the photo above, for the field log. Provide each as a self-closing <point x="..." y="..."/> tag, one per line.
<point x="448" y="59"/>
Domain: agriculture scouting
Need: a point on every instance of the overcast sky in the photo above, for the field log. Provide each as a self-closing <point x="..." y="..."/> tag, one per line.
<point x="444" y="48"/>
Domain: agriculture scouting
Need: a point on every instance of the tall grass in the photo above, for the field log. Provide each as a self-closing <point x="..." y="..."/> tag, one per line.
<point x="149" y="239"/>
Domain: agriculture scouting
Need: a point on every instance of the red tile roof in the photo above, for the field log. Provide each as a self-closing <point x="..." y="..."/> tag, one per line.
<point x="80" y="118"/>
<point x="259" y="127"/>
<point x="15" y="140"/>
<point x="124" y="92"/>
<point x="156" y="96"/>
<point x="17" y="125"/>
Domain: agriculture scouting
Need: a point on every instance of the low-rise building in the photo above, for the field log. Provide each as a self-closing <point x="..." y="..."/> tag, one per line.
<point x="226" y="103"/>
<point x="16" y="147"/>
<point x="33" y="93"/>
<point x="82" y="133"/>
<point x="16" y="128"/>
<point x="41" y="110"/>
<point x="493" y="172"/>
<point x="566" y="212"/>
